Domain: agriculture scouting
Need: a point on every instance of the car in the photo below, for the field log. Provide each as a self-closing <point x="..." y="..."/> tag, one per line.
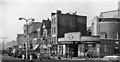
<point x="112" y="58"/>
<point x="43" y="56"/>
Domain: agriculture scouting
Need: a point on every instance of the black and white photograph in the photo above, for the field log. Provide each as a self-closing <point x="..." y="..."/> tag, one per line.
<point x="59" y="30"/>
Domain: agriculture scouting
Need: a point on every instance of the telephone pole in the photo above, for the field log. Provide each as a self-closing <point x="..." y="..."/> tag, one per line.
<point x="3" y="42"/>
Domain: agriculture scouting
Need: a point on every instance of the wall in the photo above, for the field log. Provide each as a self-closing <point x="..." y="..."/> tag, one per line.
<point x="71" y="23"/>
<point x="20" y="39"/>
<point x="109" y="14"/>
<point x="110" y="29"/>
<point x="65" y="23"/>
<point x="95" y="28"/>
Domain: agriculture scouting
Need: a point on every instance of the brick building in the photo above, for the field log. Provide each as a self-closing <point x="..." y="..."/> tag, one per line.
<point x="32" y="32"/>
<point x="64" y="23"/>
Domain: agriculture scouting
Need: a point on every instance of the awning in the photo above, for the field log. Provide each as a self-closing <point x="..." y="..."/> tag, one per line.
<point x="36" y="47"/>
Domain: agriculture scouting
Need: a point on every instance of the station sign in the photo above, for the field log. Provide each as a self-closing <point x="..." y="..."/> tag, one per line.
<point x="72" y="36"/>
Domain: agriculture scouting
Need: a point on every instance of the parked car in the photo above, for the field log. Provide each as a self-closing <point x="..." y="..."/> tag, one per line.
<point x="43" y="56"/>
<point x="34" y="56"/>
<point x="112" y="58"/>
<point x="20" y="53"/>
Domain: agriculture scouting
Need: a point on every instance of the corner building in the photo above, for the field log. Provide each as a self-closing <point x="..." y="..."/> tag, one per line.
<point x="107" y="27"/>
<point x="65" y="23"/>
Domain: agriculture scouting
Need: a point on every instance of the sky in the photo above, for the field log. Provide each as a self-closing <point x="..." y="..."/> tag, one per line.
<point x="11" y="10"/>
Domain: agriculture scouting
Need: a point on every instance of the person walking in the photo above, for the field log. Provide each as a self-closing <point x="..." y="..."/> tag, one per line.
<point x="66" y="55"/>
<point x="71" y="54"/>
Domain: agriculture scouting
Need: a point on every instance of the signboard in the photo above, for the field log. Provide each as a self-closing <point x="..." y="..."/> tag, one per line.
<point x="90" y="38"/>
<point x="73" y="36"/>
<point x="65" y="42"/>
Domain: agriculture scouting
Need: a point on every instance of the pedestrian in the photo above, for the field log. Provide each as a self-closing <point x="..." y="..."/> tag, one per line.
<point x="59" y="57"/>
<point x="71" y="54"/>
<point x="91" y="55"/>
<point x="66" y="55"/>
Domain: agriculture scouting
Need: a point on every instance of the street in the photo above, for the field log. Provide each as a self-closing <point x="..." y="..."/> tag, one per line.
<point x="6" y="58"/>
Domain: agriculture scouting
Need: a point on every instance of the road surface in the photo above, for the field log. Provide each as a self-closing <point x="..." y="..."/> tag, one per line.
<point x="6" y="58"/>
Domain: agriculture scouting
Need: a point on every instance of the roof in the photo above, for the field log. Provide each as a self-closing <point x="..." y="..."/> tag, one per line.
<point x="109" y="14"/>
<point x="109" y="11"/>
<point x="109" y="19"/>
<point x="47" y="23"/>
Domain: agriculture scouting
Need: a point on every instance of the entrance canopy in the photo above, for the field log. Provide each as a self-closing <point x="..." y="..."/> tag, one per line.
<point x="83" y="39"/>
<point x="90" y="39"/>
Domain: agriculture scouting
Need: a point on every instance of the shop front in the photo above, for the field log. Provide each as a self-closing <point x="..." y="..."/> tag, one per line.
<point x="110" y="47"/>
<point x="79" y="46"/>
<point x="68" y="46"/>
<point x="90" y="45"/>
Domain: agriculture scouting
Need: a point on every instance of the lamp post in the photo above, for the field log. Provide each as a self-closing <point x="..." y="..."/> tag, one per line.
<point x="27" y="34"/>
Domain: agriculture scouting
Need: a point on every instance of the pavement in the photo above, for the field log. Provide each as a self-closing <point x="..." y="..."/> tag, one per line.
<point x="6" y="58"/>
<point x="76" y="58"/>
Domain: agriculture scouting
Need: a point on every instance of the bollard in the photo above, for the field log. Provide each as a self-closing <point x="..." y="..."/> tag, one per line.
<point x="23" y="56"/>
<point x="30" y="57"/>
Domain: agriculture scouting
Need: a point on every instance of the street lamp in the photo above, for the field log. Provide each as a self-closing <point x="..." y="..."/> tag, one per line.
<point x="27" y="34"/>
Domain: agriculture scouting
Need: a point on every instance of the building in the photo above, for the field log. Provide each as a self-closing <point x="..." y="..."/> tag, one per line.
<point x="95" y="27"/>
<point x="110" y="14"/>
<point x="107" y="27"/>
<point x="11" y="44"/>
<point x="20" y="40"/>
<point x="89" y="31"/>
<point x="77" y="45"/>
<point x="64" y="23"/>
<point x="32" y="32"/>
<point x="45" y="42"/>
<point x="110" y="34"/>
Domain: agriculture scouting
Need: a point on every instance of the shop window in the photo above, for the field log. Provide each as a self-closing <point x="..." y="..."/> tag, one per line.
<point x="106" y="48"/>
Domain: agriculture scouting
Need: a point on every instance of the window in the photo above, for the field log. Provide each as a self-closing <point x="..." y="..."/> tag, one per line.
<point x="54" y="29"/>
<point x="103" y="35"/>
<point x="106" y="48"/>
<point x="52" y="21"/>
<point x="54" y="39"/>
